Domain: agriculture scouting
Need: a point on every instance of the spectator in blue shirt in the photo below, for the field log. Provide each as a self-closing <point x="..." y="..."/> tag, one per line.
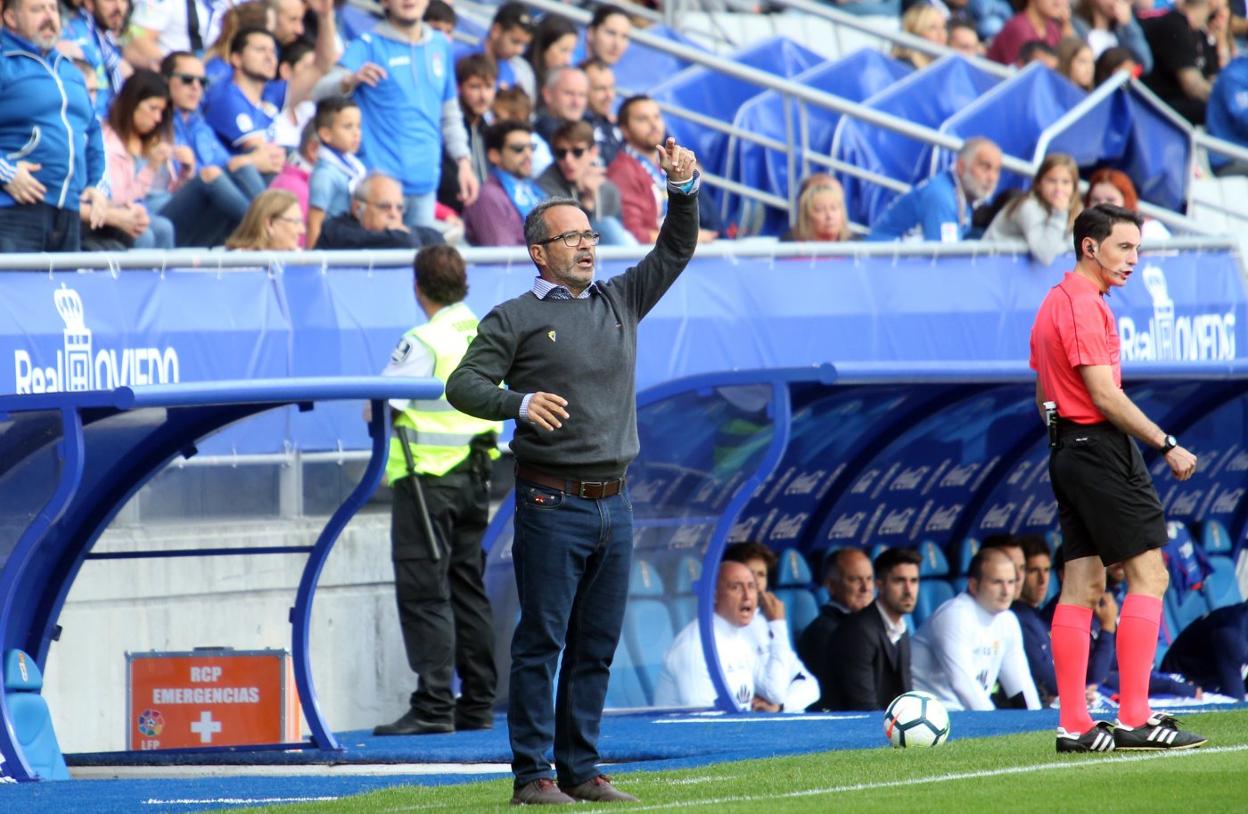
<point x="337" y="171"/>
<point x="51" y="147"/>
<point x="403" y="78"/>
<point x="94" y="32"/>
<point x="1227" y="115"/>
<point x="224" y="182"/>
<point x="939" y="209"/>
<point x="238" y="111"/>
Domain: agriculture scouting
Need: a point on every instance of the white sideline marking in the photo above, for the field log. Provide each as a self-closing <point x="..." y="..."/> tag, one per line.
<point x="944" y="778"/>
<point x="769" y="719"/>
<point x="235" y="800"/>
<point x="294" y="770"/>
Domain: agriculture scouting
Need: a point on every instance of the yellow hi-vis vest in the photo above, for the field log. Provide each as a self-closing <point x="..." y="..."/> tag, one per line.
<point x="439" y="433"/>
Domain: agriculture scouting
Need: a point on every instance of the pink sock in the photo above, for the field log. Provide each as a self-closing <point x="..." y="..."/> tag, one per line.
<point x="1072" y="639"/>
<point x="1137" y="646"/>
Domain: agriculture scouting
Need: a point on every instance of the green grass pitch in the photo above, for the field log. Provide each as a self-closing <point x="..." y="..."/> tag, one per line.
<point x="1014" y="773"/>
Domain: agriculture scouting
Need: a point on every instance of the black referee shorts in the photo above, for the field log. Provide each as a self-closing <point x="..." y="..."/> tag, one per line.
<point x="1106" y="501"/>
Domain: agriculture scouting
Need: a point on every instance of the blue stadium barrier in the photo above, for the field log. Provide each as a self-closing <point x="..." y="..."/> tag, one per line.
<point x="704" y="91"/>
<point x="928" y="97"/>
<point x="70" y="461"/>
<point x="643" y="67"/>
<point x="855" y="78"/>
<point x="1013" y="114"/>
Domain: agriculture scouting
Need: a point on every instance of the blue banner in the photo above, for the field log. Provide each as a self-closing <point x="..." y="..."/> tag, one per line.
<point x="75" y="331"/>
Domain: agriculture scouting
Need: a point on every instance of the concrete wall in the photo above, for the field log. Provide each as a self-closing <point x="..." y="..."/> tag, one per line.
<point x="116" y="606"/>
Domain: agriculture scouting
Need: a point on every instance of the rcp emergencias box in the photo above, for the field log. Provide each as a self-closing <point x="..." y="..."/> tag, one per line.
<point x="205" y="698"/>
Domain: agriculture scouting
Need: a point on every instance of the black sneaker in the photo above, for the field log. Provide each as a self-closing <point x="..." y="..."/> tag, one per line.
<point x="1158" y="732"/>
<point x="412" y="724"/>
<point x="1100" y="738"/>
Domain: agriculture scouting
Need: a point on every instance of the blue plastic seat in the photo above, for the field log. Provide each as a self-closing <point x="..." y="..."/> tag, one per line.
<point x="932" y="594"/>
<point x="1221" y="586"/>
<point x="1214" y="538"/>
<point x="935" y="563"/>
<point x="684" y="609"/>
<point x="800" y="608"/>
<point x="961" y="553"/>
<point x="28" y="712"/>
<point x="792" y="570"/>
<point x="959" y="585"/>
<point x="686" y="574"/>
<point x="644" y="579"/>
<point x="877" y="550"/>
<point x="625" y="689"/>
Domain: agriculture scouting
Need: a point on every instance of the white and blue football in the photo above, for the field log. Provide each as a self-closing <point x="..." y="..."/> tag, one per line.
<point x="916" y="718"/>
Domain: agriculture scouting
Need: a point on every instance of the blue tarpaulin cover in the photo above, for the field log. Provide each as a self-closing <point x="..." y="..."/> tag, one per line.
<point x="855" y="77"/>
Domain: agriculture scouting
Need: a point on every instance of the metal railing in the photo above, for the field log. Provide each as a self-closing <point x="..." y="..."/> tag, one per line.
<point x="802" y="94"/>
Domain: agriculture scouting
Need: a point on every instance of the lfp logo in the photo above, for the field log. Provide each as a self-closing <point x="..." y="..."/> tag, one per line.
<point x="79" y="366"/>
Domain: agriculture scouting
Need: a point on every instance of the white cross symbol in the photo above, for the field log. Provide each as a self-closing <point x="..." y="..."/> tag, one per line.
<point x="205" y="727"/>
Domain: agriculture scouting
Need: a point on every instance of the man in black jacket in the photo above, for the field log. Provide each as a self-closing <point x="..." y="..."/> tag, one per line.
<point x="567" y="350"/>
<point x="872" y="646"/>
<point x="375" y="220"/>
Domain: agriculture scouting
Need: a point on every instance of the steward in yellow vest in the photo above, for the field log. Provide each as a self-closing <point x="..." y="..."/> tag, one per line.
<point x="440" y="512"/>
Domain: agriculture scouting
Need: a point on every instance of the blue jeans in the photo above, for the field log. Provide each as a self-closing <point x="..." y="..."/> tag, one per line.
<point x="202" y="214"/>
<point x="159" y="234"/>
<point x="572" y="558"/>
<point x="39" y="228"/>
<point x="418" y="209"/>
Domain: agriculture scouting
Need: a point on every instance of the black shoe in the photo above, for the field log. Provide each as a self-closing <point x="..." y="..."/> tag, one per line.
<point x="1158" y="732"/>
<point x="411" y="724"/>
<point x="473" y="724"/>
<point x="1100" y="738"/>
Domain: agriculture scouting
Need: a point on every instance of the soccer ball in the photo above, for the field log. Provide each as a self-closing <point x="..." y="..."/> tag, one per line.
<point x="916" y="718"/>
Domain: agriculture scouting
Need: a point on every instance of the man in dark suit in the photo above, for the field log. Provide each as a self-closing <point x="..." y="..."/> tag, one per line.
<point x="851" y="587"/>
<point x="872" y="666"/>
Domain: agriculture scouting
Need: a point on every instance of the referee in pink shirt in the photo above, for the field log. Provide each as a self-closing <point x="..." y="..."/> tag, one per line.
<point x="1107" y="505"/>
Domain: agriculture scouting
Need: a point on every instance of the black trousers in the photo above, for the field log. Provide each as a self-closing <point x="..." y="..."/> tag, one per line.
<point x="443" y="607"/>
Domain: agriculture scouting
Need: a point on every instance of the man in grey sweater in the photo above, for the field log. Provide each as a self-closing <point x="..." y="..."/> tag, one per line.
<point x="567" y="351"/>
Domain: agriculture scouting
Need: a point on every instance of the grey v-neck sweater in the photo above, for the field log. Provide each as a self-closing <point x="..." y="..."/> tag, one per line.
<point x="584" y="350"/>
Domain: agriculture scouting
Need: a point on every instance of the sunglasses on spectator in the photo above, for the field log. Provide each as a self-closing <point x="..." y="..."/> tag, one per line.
<point x="190" y="78"/>
<point x="562" y="152"/>
<point x="520" y="148"/>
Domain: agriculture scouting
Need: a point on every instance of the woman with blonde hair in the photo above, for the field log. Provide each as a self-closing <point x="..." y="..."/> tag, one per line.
<point x="925" y="21"/>
<point x="1045" y="216"/>
<point x="274" y="223"/>
<point x="820" y="212"/>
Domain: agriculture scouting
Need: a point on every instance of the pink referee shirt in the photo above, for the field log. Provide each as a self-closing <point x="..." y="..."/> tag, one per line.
<point x="1073" y="327"/>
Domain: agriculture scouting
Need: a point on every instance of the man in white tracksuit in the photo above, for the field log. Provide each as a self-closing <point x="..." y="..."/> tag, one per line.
<point x="973" y="640"/>
<point x="756" y="680"/>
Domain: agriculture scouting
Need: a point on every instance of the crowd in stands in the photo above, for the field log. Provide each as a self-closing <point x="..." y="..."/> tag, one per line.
<point x="986" y="647"/>
<point x="176" y="117"/>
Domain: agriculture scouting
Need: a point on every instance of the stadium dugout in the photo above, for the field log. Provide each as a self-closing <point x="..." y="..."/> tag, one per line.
<point x="70" y="461"/>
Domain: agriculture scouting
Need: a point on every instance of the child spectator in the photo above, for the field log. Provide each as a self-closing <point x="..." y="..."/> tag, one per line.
<point x="1045" y="216"/>
<point x="272" y="223"/>
<point x="516" y="105"/>
<point x="296" y="176"/>
<point x="821" y="212"/>
<point x="337" y="170"/>
<point x="441" y="17"/>
<point x="138" y="143"/>
<point x="510" y="34"/>
<point x="963" y="38"/>
<point x="1074" y="61"/>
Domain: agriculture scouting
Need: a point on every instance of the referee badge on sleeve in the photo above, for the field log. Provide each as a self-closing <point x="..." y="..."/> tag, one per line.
<point x="402" y="351"/>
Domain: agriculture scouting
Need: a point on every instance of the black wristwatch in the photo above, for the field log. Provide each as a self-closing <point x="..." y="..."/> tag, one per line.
<point x="1170" y="443"/>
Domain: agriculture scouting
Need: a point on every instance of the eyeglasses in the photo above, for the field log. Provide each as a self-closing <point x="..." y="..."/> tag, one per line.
<point x="520" y="148"/>
<point x="576" y="152"/>
<point x="190" y="79"/>
<point x="387" y="206"/>
<point x="573" y="239"/>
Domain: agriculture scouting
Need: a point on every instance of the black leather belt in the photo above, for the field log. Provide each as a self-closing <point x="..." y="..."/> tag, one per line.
<point x="589" y="489"/>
